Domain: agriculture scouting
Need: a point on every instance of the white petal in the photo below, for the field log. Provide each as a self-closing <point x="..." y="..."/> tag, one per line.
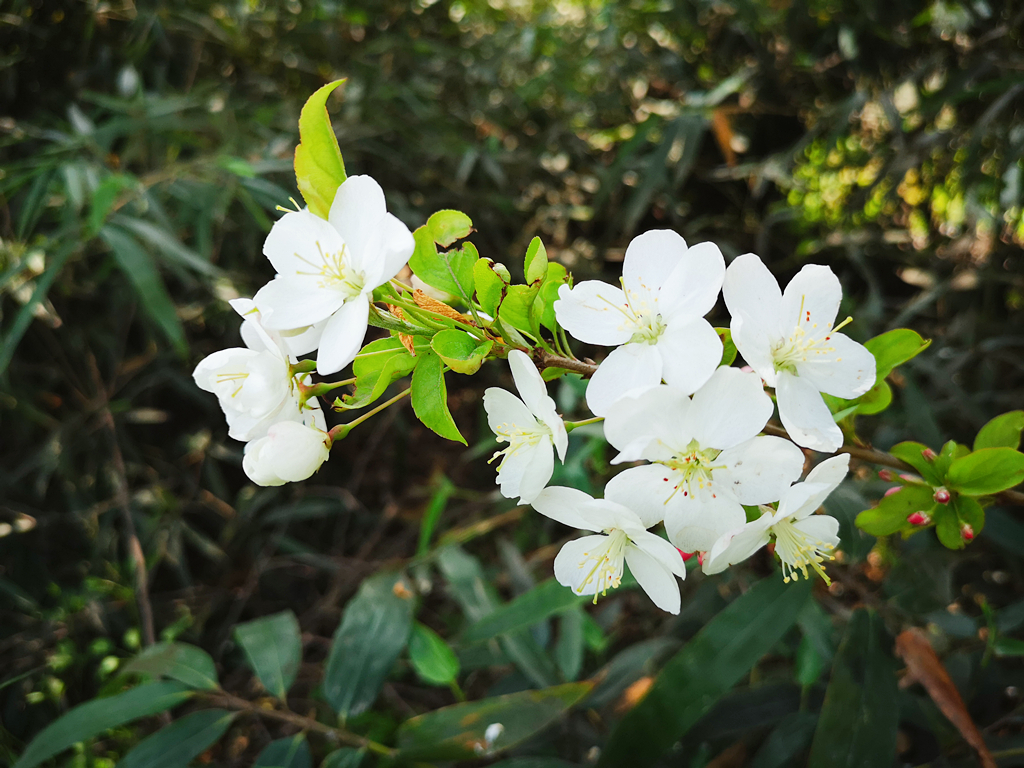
<point x="537" y="472"/>
<point x="645" y="490"/>
<point x="831" y="471"/>
<point x="842" y="368"/>
<point x="573" y="566"/>
<point x="660" y="550"/>
<point x="397" y="245"/>
<point x="694" y="523"/>
<point x="824" y="528"/>
<point x="593" y="312"/>
<point x="737" y="545"/>
<point x="650" y="259"/>
<point x="730" y="409"/>
<point x="755" y="345"/>
<point x="811" y="300"/>
<point x="751" y="291"/>
<point x="692" y="289"/>
<point x="295" y="302"/>
<point x="760" y="470"/>
<point x="505" y="410"/>
<point x="528" y="381"/>
<point x="607" y="515"/>
<point x="629" y="367"/>
<point x="565" y="505"/>
<point x="648" y="424"/>
<point x="659" y="584"/>
<point x="297" y="243"/>
<point x="805" y="416"/>
<point x="342" y="336"/>
<point x="357" y="211"/>
<point x="690" y="353"/>
<point x="302" y="341"/>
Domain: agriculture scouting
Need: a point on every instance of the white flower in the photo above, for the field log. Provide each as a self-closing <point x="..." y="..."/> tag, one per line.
<point x="802" y="539"/>
<point x="656" y="320"/>
<point x="289" y="452"/>
<point x="707" y="462"/>
<point x="530" y="426"/>
<point x="789" y="339"/>
<point x="254" y="385"/>
<point x="327" y="270"/>
<point x="593" y="564"/>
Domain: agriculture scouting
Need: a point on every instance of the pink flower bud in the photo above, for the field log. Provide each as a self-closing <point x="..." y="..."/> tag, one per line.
<point x="685" y="555"/>
<point x="887" y="475"/>
<point x="942" y="496"/>
<point x="894" y="489"/>
<point x="702" y="555"/>
<point x="918" y="518"/>
<point x="911" y="478"/>
<point x="967" y="532"/>
<point x="929" y="454"/>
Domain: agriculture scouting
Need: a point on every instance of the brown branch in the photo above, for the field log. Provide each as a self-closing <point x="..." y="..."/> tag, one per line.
<point x="341" y="735"/>
<point x="547" y="360"/>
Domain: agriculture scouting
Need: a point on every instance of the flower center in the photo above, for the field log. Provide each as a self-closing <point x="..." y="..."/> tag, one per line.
<point x="799" y="551"/>
<point x="240" y="377"/>
<point x="519" y="438"/>
<point x="805" y="342"/>
<point x="692" y="470"/>
<point x="607" y="558"/>
<point x="640" y="316"/>
<point x="336" y="271"/>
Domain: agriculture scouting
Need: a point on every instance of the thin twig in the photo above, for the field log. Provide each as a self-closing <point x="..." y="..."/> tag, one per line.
<point x="547" y="360"/>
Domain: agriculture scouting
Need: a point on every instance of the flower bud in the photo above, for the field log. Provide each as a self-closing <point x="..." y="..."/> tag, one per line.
<point x="911" y="478"/>
<point x="967" y="532"/>
<point x="290" y="452"/>
<point x="894" y="489"/>
<point x="942" y="496"/>
<point x="918" y="518"/>
<point x="887" y="475"/>
<point x="685" y="555"/>
<point x="928" y="454"/>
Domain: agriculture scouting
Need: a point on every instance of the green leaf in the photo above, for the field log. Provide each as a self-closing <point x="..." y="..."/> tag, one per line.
<point x="273" y="647"/>
<point x="892" y="511"/>
<point x="950" y="519"/>
<point x="139" y="268"/>
<point x="180" y="742"/>
<point x="543" y="601"/>
<point x="430" y="397"/>
<point x="291" y="752"/>
<point x="319" y="168"/>
<point x="1008" y="646"/>
<point x="894" y="348"/>
<point x="346" y="757"/>
<point x="448" y="226"/>
<point x="515" y="307"/>
<point x="705" y="669"/>
<point x="875" y="400"/>
<point x="185" y="663"/>
<point x="544" y="304"/>
<point x="790" y="737"/>
<point x="458" y="732"/>
<point x="914" y="454"/>
<point x="378" y="365"/>
<point x="987" y="471"/>
<point x="432" y="658"/>
<point x="460" y="351"/>
<point x="1002" y="432"/>
<point x="570" y="646"/>
<point x="809" y="663"/>
<point x="373" y="633"/>
<point x="728" y="347"/>
<point x="168" y="244"/>
<point x="449" y="271"/>
<point x="99" y="715"/>
<point x="103" y="200"/>
<point x="860" y="714"/>
<point x="536" y="265"/>
<point x="491" y="281"/>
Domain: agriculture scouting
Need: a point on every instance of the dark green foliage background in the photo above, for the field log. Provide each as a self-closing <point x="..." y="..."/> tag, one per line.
<point x="144" y="147"/>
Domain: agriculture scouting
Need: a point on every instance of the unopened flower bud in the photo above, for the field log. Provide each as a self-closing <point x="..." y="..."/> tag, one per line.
<point x="918" y="518"/>
<point x="911" y="478"/>
<point x="894" y="489"/>
<point x="685" y="555"/>
<point x="967" y="532"/>
<point x="941" y="495"/>
<point x="290" y="452"/>
<point x="887" y="475"/>
<point x="928" y="454"/>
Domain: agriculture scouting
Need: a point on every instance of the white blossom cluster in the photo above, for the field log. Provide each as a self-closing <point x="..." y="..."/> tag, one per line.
<point x="319" y="301"/>
<point x="694" y="424"/>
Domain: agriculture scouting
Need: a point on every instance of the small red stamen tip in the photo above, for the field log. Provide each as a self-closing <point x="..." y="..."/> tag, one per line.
<point x="894" y="489"/>
<point x="685" y="555"/>
<point x="967" y="532"/>
<point x="929" y="454"/>
<point x="942" y="496"/>
<point x="918" y="518"/>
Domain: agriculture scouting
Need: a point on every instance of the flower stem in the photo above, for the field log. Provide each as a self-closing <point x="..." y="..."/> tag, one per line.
<point x="571" y="425"/>
<point x="341" y="431"/>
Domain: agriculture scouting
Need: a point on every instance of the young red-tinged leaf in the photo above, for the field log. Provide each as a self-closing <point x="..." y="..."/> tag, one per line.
<point x="430" y="397"/>
<point x="987" y="471"/>
<point x="1001" y="432"/>
<point x="319" y="168"/>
